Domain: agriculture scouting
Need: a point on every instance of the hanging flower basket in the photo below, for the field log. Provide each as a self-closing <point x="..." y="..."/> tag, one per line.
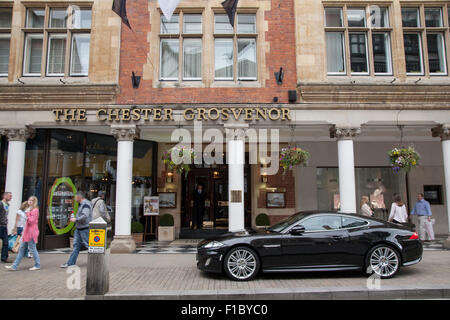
<point x="403" y="159"/>
<point x="180" y="167"/>
<point x="290" y="157"/>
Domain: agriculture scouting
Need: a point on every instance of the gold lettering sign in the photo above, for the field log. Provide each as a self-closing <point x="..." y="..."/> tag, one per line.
<point x="166" y="114"/>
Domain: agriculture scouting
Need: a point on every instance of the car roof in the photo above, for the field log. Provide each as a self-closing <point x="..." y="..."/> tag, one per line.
<point x="312" y="212"/>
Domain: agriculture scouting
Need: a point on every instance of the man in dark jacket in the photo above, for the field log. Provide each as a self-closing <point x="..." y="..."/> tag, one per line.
<point x="199" y="197"/>
<point x="4" y="205"/>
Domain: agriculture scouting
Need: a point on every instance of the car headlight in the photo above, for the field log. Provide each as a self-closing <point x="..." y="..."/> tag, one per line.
<point x="213" y="245"/>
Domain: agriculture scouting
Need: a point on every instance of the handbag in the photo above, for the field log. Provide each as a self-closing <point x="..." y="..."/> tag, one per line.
<point x="16" y="246"/>
<point x="11" y="241"/>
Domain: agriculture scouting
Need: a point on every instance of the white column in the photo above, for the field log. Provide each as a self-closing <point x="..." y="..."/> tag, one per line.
<point x="443" y="132"/>
<point x="347" y="185"/>
<point x="15" y="169"/>
<point x="236" y="160"/>
<point x="123" y="242"/>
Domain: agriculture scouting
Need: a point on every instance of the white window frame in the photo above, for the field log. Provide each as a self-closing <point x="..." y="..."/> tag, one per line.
<point x="325" y="16"/>
<point x="184" y="23"/>
<point x="237" y="22"/>
<point x="32" y="36"/>
<point x="72" y="74"/>
<point x="27" y="19"/>
<point x="256" y="60"/>
<point x="422" y="69"/>
<point x="6" y="36"/>
<point x="419" y="25"/>
<point x="441" y="16"/>
<point x="389" y="52"/>
<point x="161" y="78"/>
<point x="221" y="14"/>
<point x="344" y="55"/>
<point x="367" y="53"/>
<point x="365" y="17"/>
<point x="50" y="18"/>
<point x="444" y="54"/>
<point x="50" y="37"/>
<point x="201" y="60"/>
<point x="232" y="66"/>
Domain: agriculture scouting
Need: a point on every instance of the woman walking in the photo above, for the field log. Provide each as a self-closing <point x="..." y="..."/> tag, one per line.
<point x="21" y="219"/>
<point x="30" y="235"/>
<point x="365" y="208"/>
<point x="398" y="211"/>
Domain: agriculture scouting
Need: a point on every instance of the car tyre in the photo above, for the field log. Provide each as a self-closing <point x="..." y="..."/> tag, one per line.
<point x="383" y="260"/>
<point x="241" y="264"/>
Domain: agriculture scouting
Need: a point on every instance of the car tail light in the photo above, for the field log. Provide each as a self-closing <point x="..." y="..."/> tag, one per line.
<point x="414" y="236"/>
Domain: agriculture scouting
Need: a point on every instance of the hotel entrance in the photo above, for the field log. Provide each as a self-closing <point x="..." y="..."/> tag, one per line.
<point x="214" y="180"/>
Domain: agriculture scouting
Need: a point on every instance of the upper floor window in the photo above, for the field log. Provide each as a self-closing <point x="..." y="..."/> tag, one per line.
<point x="362" y="32"/>
<point x="424" y="40"/>
<point x="57" y="41"/>
<point x="182" y="33"/>
<point x="5" y="39"/>
<point x="235" y="48"/>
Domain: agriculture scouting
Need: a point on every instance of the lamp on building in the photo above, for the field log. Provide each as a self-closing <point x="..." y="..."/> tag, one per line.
<point x="135" y="80"/>
<point x="264" y="177"/>
<point x="279" y="76"/>
<point x="169" y="178"/>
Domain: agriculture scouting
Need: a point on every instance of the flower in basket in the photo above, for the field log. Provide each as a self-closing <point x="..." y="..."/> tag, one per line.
<point x="179" y="159"/>
<point x="403" y="159"/>
<point x="290" y="157"/>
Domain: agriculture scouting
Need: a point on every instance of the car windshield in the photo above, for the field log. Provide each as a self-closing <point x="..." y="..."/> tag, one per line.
<point x="283" y="224"/>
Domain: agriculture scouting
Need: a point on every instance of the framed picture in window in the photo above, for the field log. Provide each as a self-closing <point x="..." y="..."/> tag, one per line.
<point x="275" y="199"/>
<point x="167" y="199"/>
<point x="433" y="194"/>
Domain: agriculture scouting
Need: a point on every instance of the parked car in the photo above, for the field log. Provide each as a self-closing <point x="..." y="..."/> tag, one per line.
<point x="313" y="241"/>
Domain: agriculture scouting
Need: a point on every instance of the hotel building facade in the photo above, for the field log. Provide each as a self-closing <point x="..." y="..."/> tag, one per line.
<point x="88" y="104"/>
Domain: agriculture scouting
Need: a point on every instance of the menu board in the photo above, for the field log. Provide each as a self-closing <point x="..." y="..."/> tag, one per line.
<point x="151" y="206"/>
<point x="61" y="204"/>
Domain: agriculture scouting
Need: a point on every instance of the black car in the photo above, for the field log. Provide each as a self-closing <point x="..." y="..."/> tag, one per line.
<point x="313" y="241"/>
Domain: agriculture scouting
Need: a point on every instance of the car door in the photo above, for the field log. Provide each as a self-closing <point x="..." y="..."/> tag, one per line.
<point x="269" y="249"/>
<point x="323" y="243"/>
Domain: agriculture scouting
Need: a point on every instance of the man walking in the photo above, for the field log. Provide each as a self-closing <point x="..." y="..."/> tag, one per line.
<point x="199" y="197"/>
<point x="99" y="207"/>
<point x="81" y="235"/>
<point x="4" y="206"/>
<point x="423" y="210"/>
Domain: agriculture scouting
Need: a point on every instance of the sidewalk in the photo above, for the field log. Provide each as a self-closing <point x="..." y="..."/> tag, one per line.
<point x="174" y="276"/>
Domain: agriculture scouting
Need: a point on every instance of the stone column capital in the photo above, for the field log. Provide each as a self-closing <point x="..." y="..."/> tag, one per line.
<point x="125" y="132"/>
<point x="18" y="134"/>
<point x="236" y="132"/>
<point x="442" y="131"/>
<point x="344" y="132"/>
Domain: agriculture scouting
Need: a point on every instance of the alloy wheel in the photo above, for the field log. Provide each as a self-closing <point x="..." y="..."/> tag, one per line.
<point x="384" y="261"/>
<point x="241" y="264"/>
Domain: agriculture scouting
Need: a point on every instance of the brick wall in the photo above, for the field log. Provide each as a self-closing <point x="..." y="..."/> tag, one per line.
<point x="279" y="180"/>
<point x="280" y="38"/>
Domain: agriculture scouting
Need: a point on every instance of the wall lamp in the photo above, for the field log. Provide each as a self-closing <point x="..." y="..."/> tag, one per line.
<point x="264" y="177"/>
<point x="169" y="178"/>
<point x="279" y="76"/>
<point x="135" y="80"/>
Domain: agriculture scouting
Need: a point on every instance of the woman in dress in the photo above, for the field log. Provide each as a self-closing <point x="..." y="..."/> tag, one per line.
<point x="30" y="235"/>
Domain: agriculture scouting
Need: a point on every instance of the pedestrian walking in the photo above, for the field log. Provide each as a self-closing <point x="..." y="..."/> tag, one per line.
<point x="398" y="211"/>
<point x="21" y="219"/>
<point x="423" y="210"/>
<point x="81" y="234"/>
<point x="99" y="207"/>
<point x="365" y="208"/>
<point x="4" y="206"/>
<point x="30" y="236"/>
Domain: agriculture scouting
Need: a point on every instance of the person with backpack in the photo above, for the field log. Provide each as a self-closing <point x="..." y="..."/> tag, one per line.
<point x="4" y="206"/>
<point x="81" y="234"/>
<point x="99" y="207"/>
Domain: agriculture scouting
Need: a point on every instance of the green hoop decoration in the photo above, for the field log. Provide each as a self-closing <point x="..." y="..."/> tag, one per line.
<point x="57" y="182"/>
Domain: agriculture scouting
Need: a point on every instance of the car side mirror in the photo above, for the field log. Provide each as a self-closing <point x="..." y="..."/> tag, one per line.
<point x="297" y="230"/>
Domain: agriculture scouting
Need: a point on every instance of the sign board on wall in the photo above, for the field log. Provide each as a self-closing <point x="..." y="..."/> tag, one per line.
<point x="151" y="206"/>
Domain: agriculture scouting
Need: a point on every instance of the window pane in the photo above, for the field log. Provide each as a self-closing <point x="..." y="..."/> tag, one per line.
<point x="379" y="17"/>
<point x="33" y="54"/>
<point x="348" y="222"/>
<point x="410" y="17"/>
<point x="436" y="52"/>
<point x="381" y="52"/>
<point x="192" y="59"/>
<point x="335" y="52"/>
<point x="80" y="54"/>
<point x="81" y="18"/>
<point x="192" y="23"/>
<point x="171" y="26"/>
<point x="246" y="23"/>
<point x="358" y="52"/>
<point x="223" y="59"/>
<point x="247" y="58"/>
<point x="433" y="17"/>
<point x="222" y="24"/>
<point x="169" y="59"/>
<point x="4" y="55"/>
<point x="5" y="17"/>
<point x="56" y="55"/>
<point x="58" y="18"/>
<point x="413" y="53"/>
<point x="322" y="223"/>
<point x="333" y="17"/>
<point x="35" y="18"/>
<point x="356" y="17"/>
